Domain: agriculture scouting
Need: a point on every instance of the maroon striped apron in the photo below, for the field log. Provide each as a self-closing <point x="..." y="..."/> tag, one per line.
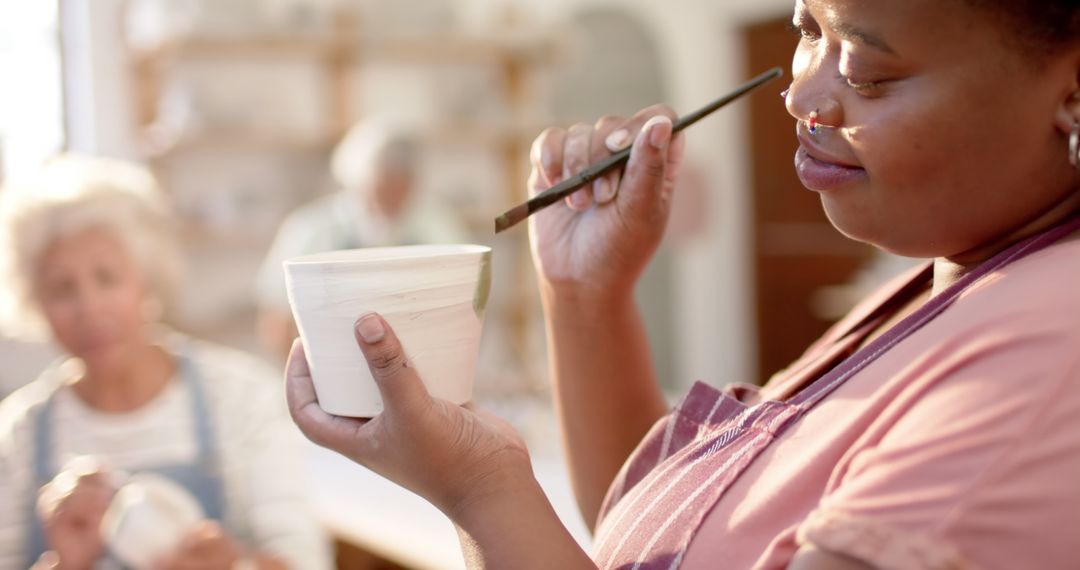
<point x="691" y="457"/>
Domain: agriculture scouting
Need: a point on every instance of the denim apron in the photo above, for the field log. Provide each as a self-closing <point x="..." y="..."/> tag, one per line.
<point x="692" y="456"/>
<point x="202" y="478"/>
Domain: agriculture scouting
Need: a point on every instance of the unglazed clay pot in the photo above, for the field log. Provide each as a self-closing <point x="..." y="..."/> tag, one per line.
<point x="432" y="295"/>
<point x="147" y="519"/>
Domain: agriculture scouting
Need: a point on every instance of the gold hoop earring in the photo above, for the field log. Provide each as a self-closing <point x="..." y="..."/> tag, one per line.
<point x="1074" y="146"/>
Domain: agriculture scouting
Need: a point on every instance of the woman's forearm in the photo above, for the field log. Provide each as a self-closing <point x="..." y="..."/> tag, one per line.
<point x="606" y="392"/>
<point x="517" y="528"/>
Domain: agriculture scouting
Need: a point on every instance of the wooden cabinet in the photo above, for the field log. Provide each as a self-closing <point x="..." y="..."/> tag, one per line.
<point x="797" y="252"/>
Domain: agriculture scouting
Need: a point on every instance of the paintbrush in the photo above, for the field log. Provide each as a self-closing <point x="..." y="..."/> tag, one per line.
<point x="568" y="186"/>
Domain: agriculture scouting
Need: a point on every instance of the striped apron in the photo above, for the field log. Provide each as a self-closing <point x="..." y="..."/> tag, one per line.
<point x="692" y="456"/>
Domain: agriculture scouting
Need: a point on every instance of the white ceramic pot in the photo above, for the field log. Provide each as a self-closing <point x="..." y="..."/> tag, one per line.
<point x="147" y="519"/>
<point x="432" y="295"/>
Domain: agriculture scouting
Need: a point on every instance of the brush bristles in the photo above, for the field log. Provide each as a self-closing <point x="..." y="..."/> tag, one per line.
<point x="511" y="218"/>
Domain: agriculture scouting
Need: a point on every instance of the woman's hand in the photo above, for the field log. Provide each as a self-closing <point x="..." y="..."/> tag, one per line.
<point x="450" y="455"/>
<point x="602" y="238"/>
<point x="207" y="547"/>
<point x="71" y="507"/>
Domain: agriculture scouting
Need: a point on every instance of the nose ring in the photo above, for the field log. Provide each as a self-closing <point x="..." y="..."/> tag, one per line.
<point x="812" y="122"/>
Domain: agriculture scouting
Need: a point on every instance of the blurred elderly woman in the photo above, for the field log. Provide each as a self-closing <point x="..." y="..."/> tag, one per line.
<point x="376" y="167"/>
<point x="90" y="259"/>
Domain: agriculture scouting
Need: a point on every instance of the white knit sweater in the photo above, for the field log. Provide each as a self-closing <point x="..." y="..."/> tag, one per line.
<point x="258" y="446"/>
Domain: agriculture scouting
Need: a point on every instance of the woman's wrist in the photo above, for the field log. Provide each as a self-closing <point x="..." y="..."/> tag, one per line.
<point x="517" y="527"/>
<point x="508" y="478"/>
<point x="583" y="302"/>
<point x="489" y="499"/>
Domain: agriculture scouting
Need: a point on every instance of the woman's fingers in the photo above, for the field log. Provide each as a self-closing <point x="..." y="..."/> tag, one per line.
<point x="399" y="384"/>
<point x="559" y="154"/>
<point x="605" y="187"/>
<point x="77" y="495"/>
<point x="337" y="433"/>
<point x="577" y="155"/>
<point x="676" y="152"/>
<point x="300" y="393"/>
<point x="646" y="172"/>
<point x="547" y="158"/>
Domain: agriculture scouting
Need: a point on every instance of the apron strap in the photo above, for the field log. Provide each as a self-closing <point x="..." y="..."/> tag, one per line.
<point x="43" y="442"/>
<point x="817" y="391"/>
<point x="41" y="457"/>
<point x="200" y="409"/>
<point x="208" y="460"/>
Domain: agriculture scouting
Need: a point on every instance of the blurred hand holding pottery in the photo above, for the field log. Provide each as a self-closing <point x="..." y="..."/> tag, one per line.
<point x="432" y="295"/>
<point x="139" y="518"/>
<point x="148" y="519"/>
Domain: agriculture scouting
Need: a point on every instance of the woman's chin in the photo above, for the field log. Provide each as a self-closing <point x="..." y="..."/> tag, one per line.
<point x="889" y="236"/>
<point x="103" y="357"/>
<point x="850" y="222"/>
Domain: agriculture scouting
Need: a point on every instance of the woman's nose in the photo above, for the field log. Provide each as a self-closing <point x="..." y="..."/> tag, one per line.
<point x="89" y="299"/>
<point x="812" y="91"/>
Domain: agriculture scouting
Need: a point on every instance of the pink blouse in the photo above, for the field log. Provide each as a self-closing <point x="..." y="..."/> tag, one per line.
<point x="958" y="448"/>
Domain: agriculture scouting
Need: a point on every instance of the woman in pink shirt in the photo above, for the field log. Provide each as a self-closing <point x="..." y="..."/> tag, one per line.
<point x="937" y="426"/>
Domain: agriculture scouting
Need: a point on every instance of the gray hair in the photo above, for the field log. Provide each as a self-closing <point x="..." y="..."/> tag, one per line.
<point x="71" y="194"/>
<point x="370" y="146"/>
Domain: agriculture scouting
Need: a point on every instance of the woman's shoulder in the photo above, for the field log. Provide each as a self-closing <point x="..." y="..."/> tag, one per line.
<point x="224" y="365"/>
<point x="21" y="406"/>
<point x="1038" y="288"/>
<point x="233" y="379"/>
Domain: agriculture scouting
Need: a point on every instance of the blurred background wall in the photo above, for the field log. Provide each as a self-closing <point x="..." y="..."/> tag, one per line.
<point x="237" y="104"/>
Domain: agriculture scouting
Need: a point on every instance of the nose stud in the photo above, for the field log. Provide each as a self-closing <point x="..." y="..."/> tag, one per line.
<point x="812" y="122"/>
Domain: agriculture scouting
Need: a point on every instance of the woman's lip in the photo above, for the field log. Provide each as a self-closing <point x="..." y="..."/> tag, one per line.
<point x="96" y="341"/>
<point x="821" y="155"/>
<point x="821" y="176"/>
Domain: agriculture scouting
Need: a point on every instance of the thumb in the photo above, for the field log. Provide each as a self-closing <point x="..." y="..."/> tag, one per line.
<point x="198" y="534"/>
<point x="644" y="181"/>
<point x="399" y="384"/>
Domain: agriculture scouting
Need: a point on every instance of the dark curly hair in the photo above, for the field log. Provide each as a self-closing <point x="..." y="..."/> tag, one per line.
<point x="1042" y="26"/>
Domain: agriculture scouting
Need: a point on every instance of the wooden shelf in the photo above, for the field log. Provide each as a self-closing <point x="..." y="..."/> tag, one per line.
<point x="239" y="138"/>
<point x="450" y="48"/>
<point x="448" y="134"/>
<point x="210" y="47"/>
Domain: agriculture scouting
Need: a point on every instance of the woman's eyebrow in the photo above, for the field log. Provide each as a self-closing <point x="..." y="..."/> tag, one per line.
<point x="856" y="34"/>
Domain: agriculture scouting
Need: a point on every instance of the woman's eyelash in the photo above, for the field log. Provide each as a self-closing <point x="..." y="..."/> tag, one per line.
<point x="863" y="87"/>
<point x="803" y="32"/>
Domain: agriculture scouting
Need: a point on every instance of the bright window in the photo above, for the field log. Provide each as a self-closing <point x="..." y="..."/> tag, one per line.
<point x="31" y="93"/>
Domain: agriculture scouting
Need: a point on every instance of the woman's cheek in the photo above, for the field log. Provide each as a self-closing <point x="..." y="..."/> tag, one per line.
<point x="800" y="62"/>
<point x="62" y="319"/>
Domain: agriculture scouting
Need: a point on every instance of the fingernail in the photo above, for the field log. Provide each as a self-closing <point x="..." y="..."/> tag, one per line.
<point x="370" y="329"/>
<point x="659" y="129"/>
<point x="546" y="160"/>
<point x="617" y="140"/>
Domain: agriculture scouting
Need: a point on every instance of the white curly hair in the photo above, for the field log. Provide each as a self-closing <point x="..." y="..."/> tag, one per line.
<point x="371" y="145"/>
<point x="71" y="194"/>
